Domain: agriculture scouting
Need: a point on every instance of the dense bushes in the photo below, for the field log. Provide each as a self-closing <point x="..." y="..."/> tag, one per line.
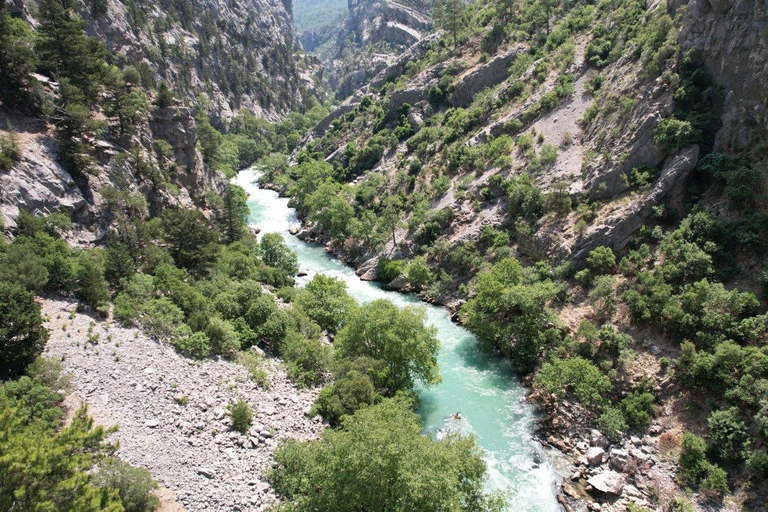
<point x="380" y="456"/>
<point x="135" y="486"/>
<point x="509" y="312"/>
<point x="576" y="375"/>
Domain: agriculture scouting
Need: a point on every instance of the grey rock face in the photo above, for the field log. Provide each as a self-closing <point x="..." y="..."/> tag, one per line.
<point x="395" y="25"/>
<point x="616" y="231"/>
<point x="731" y="34"/>
<point x="38" y="185"/>
<point x="608" y="482"/>
<point x="216" y="45"/>
<point x="492" y="73"/>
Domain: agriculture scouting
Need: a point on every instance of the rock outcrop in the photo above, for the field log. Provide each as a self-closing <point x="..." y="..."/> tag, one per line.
<point x="39" y="185"/>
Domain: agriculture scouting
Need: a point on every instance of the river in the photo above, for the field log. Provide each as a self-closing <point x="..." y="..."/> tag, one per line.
<point x="481" y="388"/>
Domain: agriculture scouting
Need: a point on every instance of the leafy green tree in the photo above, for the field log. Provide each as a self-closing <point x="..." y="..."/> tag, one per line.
<point x="191" y="242"/>
<point x="693" y="457"/>
<point x="91" y="286"/>
<point x="164" y="98"/>
<point x="326" y="301"/>
<point x="307" y="360"/>
<point x="672" y="134"/>
<point x="330" y="207"/>
<point x="22" y="335"/>
<point x="449" y="14"/>
<point x="380" y="459"/>
<point x="612" y="423"/>
<point x="21" y="264"/>
<point x="510" y="313"/>
<point x="602" y="260"/>
<point x="124" y="101"/>
<point x="637" y="408"/>
<point x="345" y="396"/>
<point x="223" y="337"/>
<point x="277" y="254"/>
<point x="398" y="337"/>
<point x="728" y="435"/>
<point x="418" y="273"/>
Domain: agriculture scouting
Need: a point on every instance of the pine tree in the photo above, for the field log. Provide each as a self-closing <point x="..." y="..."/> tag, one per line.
<point x="449" y="15"/>
<point x="65" y="51"/>
<point x="16" y="61"/>
<point x="234" y="213"/>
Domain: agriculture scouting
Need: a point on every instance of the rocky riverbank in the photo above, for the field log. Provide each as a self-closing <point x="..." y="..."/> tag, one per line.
<point x="171" y="410"/>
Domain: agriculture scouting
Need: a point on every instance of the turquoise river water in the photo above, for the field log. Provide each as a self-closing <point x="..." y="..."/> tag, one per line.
<point x="482" y="389"/>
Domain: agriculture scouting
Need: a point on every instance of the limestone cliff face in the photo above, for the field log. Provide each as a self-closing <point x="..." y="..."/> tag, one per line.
<point x="732" y="36"/>
<point x="241" y="54"/>
<point x="373" y="35"/>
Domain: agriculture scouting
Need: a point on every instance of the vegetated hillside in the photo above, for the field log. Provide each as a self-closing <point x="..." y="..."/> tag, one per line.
<point x="240" y="54"/>
<point x="618" y="151"/>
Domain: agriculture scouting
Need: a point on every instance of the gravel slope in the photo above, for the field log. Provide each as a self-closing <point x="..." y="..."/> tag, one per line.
<point x="141" y="385"/>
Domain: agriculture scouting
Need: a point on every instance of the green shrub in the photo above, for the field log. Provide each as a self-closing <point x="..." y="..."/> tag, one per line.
<point x="307" y="360"/>
<point x="715" y="481"/>
<point x="637" y="408"/>
<point x="727" y="435"/>
<point x="240" y="416"/>
<point x="223" y="337"/>
<point x="577" y="375"/>
<point x="161" y="317"/>
<point x="612" y="424"/>
<point x="134" y="485"/>
<point x="693" y="458"/>
<point x="680" y="504"/>
<point x="418" y="273"/>
<point x="10" y="151"/>
<point x="91" y="286"/>
<point x="597" y="51"/>
<point x="758" y="464"/>
<point x="191" y="344"/>
<point x="387" y="270"/>
<point x="345" y="396"/>
<point x="603" y="295"/>
<point x="672" y="134"/>
<point x="602" y="260"/>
